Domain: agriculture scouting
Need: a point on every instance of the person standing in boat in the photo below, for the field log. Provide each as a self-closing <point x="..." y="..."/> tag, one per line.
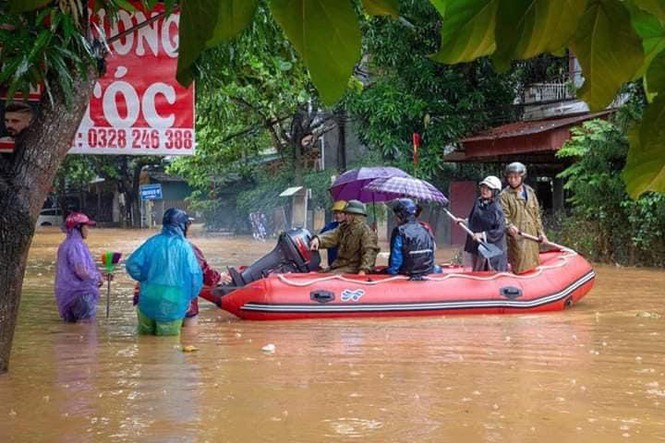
<point x="357" y="243"/>
<point x="411" y="244"/>
<point x="338" y="217"/>
<point x="522" y="212"/>
<point x="170" y="277"/>
<point x="77" y="278"/>
<point x="488" y="224"/>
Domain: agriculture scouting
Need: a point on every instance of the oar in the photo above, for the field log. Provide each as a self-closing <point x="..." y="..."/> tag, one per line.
<point x="487" y="250"/>
<point x="536" y="239"/>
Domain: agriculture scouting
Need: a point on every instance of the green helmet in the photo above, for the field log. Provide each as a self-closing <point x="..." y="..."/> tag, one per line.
<point x="355" y="207"/>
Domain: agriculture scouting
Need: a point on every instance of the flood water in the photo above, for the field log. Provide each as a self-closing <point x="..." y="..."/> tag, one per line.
<point x="594" y="373"/>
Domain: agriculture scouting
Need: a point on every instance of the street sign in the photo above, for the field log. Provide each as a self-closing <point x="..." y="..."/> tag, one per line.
<point x="151" y="192"/>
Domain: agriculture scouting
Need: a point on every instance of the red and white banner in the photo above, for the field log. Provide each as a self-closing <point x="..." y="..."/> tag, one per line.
<point x="138" y="107"/>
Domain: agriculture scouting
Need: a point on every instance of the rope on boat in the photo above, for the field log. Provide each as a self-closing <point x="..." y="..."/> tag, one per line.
<point x="562" y="260"/>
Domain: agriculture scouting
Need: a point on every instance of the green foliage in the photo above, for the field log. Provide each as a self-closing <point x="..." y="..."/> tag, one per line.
<point x="412" y="93"/>
<point x="605" y="223"/>
<point x="324" y="32"/>
<point x="606" y="29"/>
<point x="645" y="169"/>
<point x="75" y="172"/>
<point x="234" y="17"/>
<point x="533" y="27"/>
<point x="311" y="26"/>
<point x="42" y="47"/>
<point x="264" y="194"/>
<point x="469" y="30"/>
<point x="49" y="44"/>
<point x="615" y="41"/>
<point x="382" y="7"/>
<point x="247" y="89"/>
<point x="204" y="23"/>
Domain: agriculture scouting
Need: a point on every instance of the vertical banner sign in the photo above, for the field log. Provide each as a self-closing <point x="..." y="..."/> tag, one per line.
<point x="138" y="107"/>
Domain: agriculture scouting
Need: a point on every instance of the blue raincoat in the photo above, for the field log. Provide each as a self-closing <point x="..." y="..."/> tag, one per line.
<point x="169" y="274"/>
<point x="332" y="252"/>
<point x="77" y="279"/>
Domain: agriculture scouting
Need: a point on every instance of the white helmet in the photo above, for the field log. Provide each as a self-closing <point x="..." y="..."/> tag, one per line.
<point x="515" y="168"/>
<point x="492" y="182"/>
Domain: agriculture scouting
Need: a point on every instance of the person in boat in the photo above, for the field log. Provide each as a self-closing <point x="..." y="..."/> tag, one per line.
<point x="427" y="226"/>
<point x="338" y="217"/>
<point x="169" y="274"/>
<point x="522" y="212"/>
<point x="357" y="243"/>
<point x="211" y="278"/>
<point x="77" y="278"/>
<point x="488" y="224"/>
<point x="411" y="244"/>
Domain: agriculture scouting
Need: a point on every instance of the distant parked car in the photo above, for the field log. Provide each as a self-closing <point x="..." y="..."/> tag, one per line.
<point x="50" y="217"/>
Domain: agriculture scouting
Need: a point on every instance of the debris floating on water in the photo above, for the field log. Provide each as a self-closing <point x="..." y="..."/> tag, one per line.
<point x="644" y="314"/>
<point x="189" y="348"/>
<point x="270" y="348"/>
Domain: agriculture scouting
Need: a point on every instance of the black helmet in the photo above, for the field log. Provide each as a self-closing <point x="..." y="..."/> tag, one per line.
<point x="515" y="167"/>
<point x="405" y="208"/>
<point x="177" y="218"/>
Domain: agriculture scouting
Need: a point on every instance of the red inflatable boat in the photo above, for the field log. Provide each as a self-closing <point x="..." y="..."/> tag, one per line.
<point x="562" y="279"/>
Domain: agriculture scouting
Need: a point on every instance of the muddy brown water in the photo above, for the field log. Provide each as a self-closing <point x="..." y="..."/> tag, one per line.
<point x="593" y="373"/>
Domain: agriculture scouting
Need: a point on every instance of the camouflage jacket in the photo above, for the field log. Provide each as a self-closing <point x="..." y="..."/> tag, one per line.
<point x="357" y="246"/>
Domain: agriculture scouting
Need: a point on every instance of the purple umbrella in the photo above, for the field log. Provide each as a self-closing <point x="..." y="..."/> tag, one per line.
<point x="349" y="186"/>
<point x="397" y="187"/>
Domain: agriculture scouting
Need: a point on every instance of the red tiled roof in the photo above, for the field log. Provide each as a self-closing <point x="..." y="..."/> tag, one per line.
<point x="523" y="128"/>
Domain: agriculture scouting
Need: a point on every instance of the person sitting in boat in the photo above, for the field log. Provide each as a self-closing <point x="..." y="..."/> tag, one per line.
<point x="522" y="211"/>
<point x="170" y="277"/>
<point x="411" y="244"/>
<point x="427" y="226"/>
<point x="77" y="279"/>
<point x="356" y="242"/>
<point x="488" y="224"/>
<point x="338" y="217"/>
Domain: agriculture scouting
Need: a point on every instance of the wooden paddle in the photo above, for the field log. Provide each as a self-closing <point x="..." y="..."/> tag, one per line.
<point x="536" y="239"/>
<point x="487" y="250"/>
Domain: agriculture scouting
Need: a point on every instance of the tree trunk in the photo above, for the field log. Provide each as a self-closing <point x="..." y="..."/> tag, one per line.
<point x="25" y="179"/>
<point x="340" y="117"/>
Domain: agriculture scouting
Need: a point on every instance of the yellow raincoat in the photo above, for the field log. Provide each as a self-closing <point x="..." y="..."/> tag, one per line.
<point x="523" y="254"/>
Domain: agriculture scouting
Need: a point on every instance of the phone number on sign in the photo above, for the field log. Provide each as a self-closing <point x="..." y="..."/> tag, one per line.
<point x="146" y="139"/>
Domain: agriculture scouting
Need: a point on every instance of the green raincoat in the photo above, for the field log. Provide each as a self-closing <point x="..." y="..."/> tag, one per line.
<point x="357" y="247"/>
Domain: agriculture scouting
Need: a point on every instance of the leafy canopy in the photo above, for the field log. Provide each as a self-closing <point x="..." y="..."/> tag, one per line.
<point x="616" y="41"/>
<point x="414" y="93"/>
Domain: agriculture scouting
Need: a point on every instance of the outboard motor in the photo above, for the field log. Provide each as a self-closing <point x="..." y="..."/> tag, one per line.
<point x="292" y="254"/>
